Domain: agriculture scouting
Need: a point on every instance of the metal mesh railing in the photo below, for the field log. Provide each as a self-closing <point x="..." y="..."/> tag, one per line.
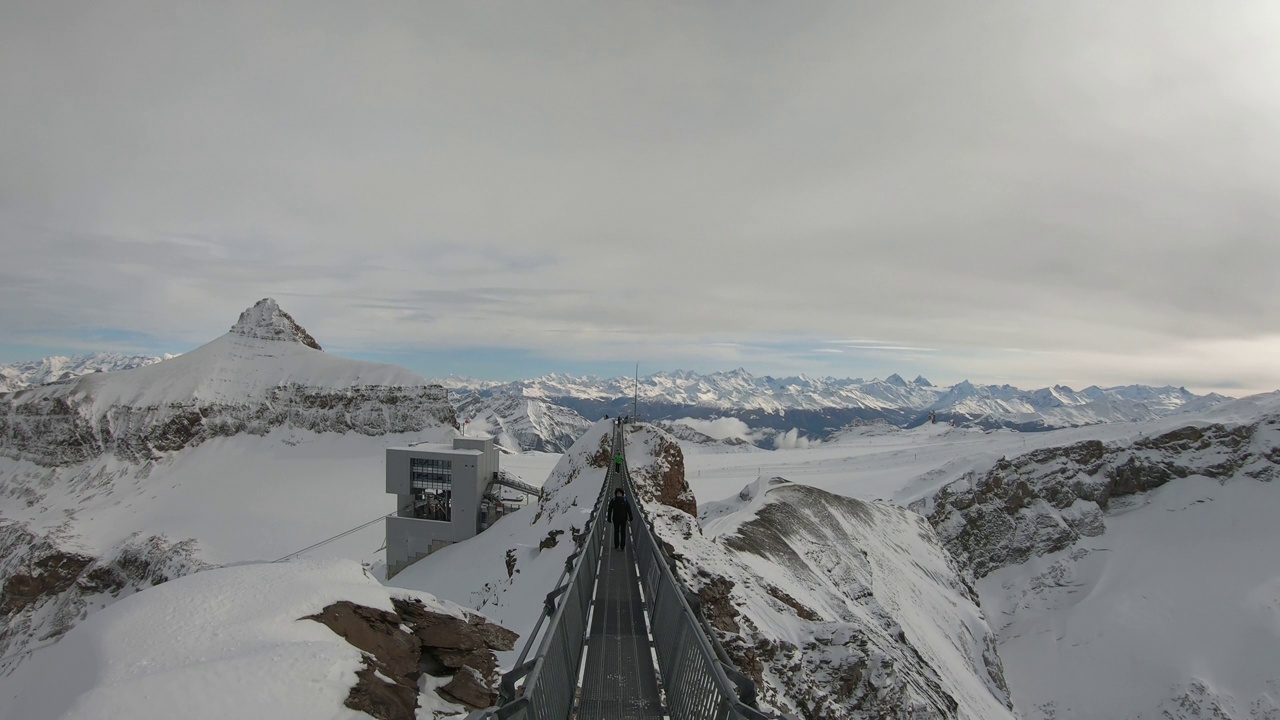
<point x="551" y="677"/>
<point x="697" y="683"/>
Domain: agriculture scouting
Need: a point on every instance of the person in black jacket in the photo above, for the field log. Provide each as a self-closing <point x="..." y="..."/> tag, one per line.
<point x="619" y="514"/>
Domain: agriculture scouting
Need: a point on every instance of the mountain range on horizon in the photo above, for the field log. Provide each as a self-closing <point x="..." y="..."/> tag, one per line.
<point x="547" y="412"/>
<point x="919" y="566"/>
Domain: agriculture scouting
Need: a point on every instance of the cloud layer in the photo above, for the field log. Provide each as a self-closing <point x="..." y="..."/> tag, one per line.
<point x="1079" y="192"/>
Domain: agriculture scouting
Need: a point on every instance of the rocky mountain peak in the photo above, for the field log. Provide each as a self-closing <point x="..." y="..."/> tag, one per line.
<point x="266" y="321"/>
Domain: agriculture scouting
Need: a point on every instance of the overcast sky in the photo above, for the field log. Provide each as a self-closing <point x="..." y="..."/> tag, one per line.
<point x="1023" y="192"/>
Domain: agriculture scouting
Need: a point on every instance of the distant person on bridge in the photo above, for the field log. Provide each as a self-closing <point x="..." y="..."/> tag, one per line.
<point x="619" y="514"/>
<point x="617" y="463"/>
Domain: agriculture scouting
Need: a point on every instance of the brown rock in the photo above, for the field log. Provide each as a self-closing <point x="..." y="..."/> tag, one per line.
<point x="378" y="633"/>
<point x="468" y="688"/>
<point x="435" y="630"/>
<point x="381" y="699"/>
<point x="482" y="660"/>
<point x="50" y="575"/>
<point x="551" y="540"/>
<point x="717" y="605"/>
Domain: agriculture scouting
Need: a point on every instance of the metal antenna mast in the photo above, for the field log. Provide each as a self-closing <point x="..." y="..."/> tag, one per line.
<point x="635" y="404"/>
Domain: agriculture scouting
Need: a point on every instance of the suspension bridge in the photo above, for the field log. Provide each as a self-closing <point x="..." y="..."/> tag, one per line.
<point x="621" y="637"/>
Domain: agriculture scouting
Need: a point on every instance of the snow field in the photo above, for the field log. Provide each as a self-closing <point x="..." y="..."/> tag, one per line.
<point x="213" y="645"/>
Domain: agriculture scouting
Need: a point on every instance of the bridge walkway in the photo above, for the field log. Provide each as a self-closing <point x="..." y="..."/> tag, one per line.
<point x="620" y="679"/>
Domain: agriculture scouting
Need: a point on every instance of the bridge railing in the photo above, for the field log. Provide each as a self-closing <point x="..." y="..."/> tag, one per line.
<point x="551" y="677"/>
<point x="697" y="684"/>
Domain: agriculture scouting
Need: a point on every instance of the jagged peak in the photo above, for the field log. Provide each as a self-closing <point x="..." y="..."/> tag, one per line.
<point x="266" y="321"/>
<point x="922" y="381"/>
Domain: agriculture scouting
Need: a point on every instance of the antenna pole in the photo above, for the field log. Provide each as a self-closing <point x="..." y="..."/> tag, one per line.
<point x="635" y="404"/>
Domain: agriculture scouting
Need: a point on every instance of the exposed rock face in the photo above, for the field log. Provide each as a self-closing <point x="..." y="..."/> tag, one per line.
<point x="521" y="423"/>
<point x="1045" y="500"/>
<point x="836" y="608"/>
<point x="266" y="321"/>
<point x="434" y="643"/>
<point x="266" y="373"/>
<point x="47" y="590"/>
<point x="58" y="368"/>
<point x="61" y="430"/>
<point x="660" y="479"/>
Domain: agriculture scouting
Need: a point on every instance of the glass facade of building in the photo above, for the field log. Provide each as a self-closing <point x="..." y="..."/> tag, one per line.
<point x="432" y="483"/>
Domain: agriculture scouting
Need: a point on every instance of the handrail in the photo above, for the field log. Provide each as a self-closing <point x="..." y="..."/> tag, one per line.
<point x="544" y="697"/>
<point x="695" y="675"/>
<point x="699" y="682"/>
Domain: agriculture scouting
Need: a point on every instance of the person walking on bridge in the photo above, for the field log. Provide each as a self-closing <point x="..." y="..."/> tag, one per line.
<point x="619" y="514"/>
<point x="617" y="462"/>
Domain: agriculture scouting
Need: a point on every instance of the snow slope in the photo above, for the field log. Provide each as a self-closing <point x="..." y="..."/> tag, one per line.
<point x="239" y="367"/>
<point x="836" y="607"/>
<point x="819" y="406"/>
<point x="58" y="368"/>
<point x="1173" y="613"/>
<point x="242" y="382"/>
<point x="505" y="571"/>
<point x="1152" y="604"/>
<point x="226" y="643"/>
<point x="251" y="447"/>
<point x="520" y="423"/>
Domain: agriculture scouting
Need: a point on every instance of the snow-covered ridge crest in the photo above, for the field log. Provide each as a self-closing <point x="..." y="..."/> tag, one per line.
<point x="819" y="405"/>
<point x="1046" y="500"/>
<point x="837" y="608"/>
<point x="506" y="570"/>
<point x="238" y="383"/>
<point x="59" y="368"/>
<point x="266" y="321"/>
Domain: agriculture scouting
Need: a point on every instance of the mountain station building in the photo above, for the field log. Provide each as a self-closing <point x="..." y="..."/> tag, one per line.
<point x="444" y="494"/>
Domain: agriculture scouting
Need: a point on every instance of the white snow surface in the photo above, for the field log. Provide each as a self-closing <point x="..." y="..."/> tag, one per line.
<point x="739" y="391"/>
<point x="866" y="569"/>
<point x="225" y="643"/>
<point x="1171" y="613"/>
<point x="233" y="369"/>
<point x="57" y="368"/>
<point x="520" y="423"/>
<point x="244" y="497"/>
<point x="1182" y="591"/>
<point x="474" y="573"/>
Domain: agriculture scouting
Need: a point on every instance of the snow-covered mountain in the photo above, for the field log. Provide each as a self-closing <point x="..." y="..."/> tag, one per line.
<point x="57" y="368"/>
<point x="821" y="407"/>
<point x="265" y="373"/>
<point x="1132" y="575"/>
<point x="519" y="423"/>
<point x="247" y="448"/>
<point x="506" y="570"/>
<point x="837" y="608"/>
<point x="286" y="641"/>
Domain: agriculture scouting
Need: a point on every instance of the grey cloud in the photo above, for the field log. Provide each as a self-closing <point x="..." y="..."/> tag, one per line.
<point x="589" y="180"/>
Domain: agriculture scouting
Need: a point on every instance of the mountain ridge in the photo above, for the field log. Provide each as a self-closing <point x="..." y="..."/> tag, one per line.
<point x="820" y="407"/>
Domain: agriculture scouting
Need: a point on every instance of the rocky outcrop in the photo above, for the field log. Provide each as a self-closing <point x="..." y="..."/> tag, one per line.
<point x="268" y="372"/>
<point x="62" y="430"/>
<point x="47" y="589"/>
<point x="835" y="608"/>
<point x="520" y="423"/>
<point x="1046" y="500"/>
<point x="266" y="321"/>
<point x="659" y="478"/>
<point x="401" y="646"/>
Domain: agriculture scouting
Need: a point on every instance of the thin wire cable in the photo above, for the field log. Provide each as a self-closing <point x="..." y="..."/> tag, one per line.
<point x="340" y="535"/>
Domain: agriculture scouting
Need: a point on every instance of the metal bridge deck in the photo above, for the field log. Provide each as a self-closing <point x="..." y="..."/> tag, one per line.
<point x="620" y="680"/>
